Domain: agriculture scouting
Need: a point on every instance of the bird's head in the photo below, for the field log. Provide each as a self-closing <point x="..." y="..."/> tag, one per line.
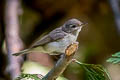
<point x="72" y="25"/>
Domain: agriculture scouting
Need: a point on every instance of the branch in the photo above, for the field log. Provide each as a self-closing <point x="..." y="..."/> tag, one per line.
<point x="13" y="41"/>
<point x="116" y="10"/>
<point x="62" y="63"/>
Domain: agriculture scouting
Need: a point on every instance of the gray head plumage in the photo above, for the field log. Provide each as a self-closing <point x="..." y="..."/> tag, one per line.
<point x="72" y="25"/>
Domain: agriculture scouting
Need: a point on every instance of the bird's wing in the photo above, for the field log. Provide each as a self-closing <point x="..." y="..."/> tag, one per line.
<point x="52" y="36"/>
<point x="57" y="34"/>
<point x="42" y="41"/>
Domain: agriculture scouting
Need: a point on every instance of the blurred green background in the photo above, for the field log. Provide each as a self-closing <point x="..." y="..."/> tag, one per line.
<point x="97" y="41"/>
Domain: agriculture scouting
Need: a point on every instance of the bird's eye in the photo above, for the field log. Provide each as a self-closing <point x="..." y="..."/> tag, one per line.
<point x="72" y="26"/>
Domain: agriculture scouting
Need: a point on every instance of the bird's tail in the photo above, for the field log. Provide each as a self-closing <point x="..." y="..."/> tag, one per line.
<point x="21" y="52"/>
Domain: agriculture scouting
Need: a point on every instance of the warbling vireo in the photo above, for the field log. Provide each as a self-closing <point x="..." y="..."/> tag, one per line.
<point x="57" y="40"/>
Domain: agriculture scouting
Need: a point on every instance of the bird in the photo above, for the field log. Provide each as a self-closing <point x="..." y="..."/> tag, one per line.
<point x="56" y="41"/>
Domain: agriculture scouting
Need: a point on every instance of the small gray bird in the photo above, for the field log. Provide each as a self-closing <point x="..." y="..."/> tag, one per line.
<point x="57" y="40"/>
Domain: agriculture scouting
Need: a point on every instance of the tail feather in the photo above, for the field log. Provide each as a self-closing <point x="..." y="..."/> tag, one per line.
<point x="21" y="52"/>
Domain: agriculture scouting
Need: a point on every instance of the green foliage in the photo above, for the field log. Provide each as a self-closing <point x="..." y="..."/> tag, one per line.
<point x="29" y="77"/>
<point x="24" y="76"/>
<point x="34" y="71"/>
<point x="115" y="59"/>
<point x="94" y="72"/>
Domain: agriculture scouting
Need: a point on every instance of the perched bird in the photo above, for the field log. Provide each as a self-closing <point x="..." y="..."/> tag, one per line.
<point x="57" y="40"/>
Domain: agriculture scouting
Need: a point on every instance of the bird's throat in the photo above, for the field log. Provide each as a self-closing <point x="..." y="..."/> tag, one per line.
<point x="76" y="32"/>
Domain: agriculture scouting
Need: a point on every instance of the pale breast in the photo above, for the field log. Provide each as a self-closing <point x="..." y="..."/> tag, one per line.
<point x="60" y="45"/>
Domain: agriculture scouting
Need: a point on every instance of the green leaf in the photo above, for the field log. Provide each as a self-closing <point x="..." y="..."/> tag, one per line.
<point x="94" y="72"/>
<point x="116" y="54"/>
<point x="29" y="77"/>
<point x="115" y="59"/>
<point x="25" y="76"/>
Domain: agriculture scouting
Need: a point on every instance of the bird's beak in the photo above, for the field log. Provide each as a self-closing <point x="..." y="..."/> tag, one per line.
<point x="80" y="26"/>
<point x="83" y="24"/>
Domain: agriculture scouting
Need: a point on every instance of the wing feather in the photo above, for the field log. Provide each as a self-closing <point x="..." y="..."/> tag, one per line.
<point x="52" y="36"/>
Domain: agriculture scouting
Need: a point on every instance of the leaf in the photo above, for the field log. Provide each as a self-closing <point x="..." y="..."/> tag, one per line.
<point x="116" y="54"/>
<point x="29" y="77"/>
<point x="115" y="59"/>
<point x="94" y="72"/>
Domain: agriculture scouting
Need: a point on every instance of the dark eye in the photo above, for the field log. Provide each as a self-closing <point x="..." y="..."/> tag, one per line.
<point x="72" y="26"/>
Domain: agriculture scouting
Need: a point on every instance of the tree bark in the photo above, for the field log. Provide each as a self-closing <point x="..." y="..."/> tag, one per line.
<point x="13" y="41"/>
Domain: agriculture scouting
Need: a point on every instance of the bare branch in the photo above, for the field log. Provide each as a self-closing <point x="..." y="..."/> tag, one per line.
<point x="13" y="41"/>
<point x="116" y="10"/>
<point x="62" y="63"/>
